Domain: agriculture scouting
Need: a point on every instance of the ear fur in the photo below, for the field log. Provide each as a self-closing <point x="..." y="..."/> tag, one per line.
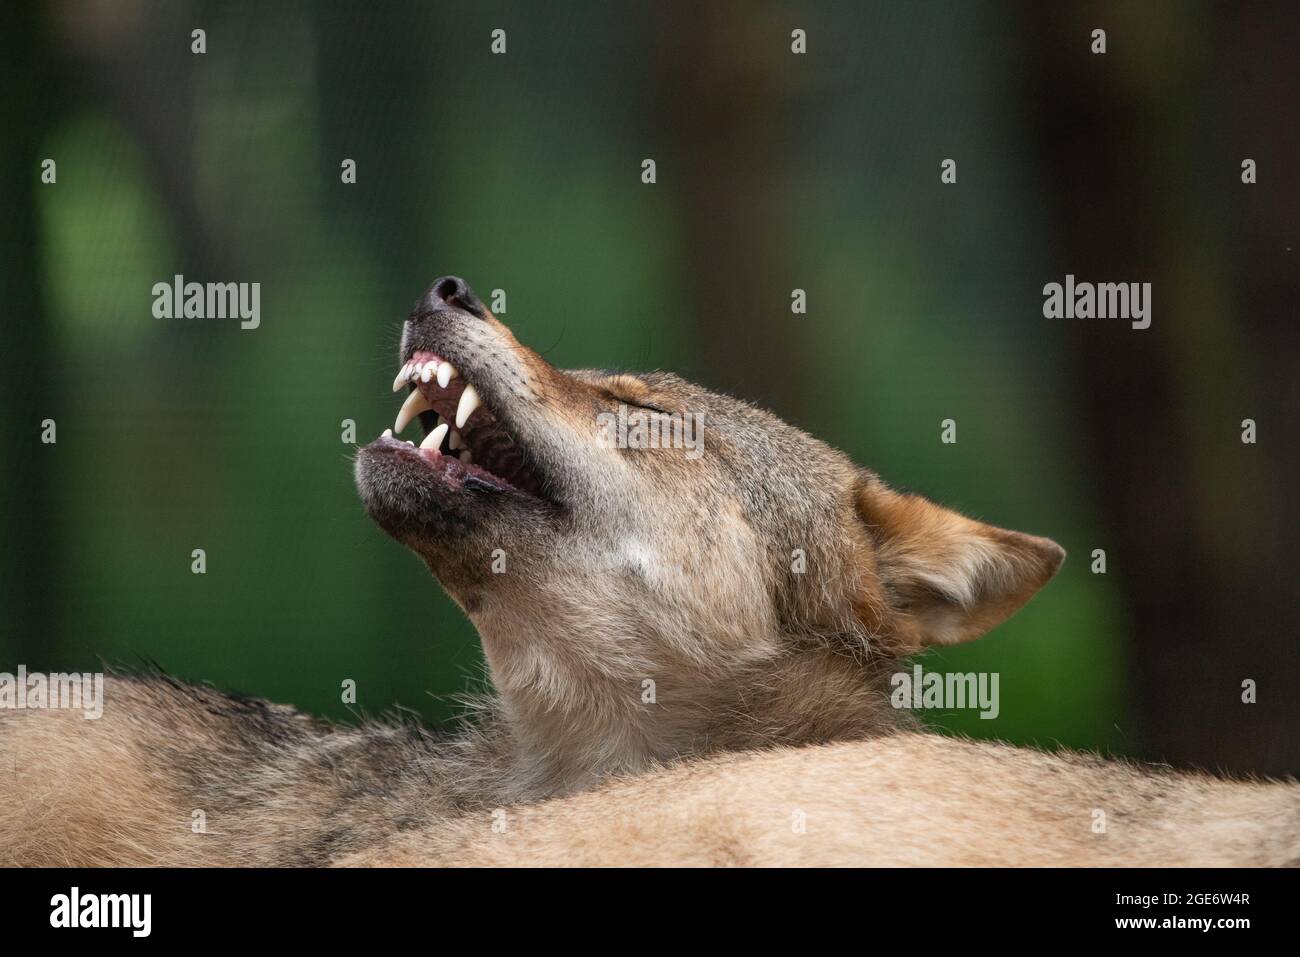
<point x="949" y="578"/>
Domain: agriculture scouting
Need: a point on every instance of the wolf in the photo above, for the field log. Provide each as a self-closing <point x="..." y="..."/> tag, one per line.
<point x="690" y="654"/>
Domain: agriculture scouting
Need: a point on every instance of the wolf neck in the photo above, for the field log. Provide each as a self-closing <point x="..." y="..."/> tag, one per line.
<point x="618" y="724"/>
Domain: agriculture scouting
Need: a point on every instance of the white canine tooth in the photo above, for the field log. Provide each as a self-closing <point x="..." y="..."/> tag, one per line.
<point x="434" y="439"/>
<point x="466" y="458"/>
<point x="388" y="433"/>
<point x="469" y="401"/>
<point x="401" y="377"/>
<point x="415" y="404"/>
<point x="455" y="441"/>
<point x="427" y="374"/>
<point x="446" y="372"/>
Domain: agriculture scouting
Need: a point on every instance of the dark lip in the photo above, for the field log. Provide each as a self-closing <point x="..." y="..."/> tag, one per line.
<point x="451" y="472"/>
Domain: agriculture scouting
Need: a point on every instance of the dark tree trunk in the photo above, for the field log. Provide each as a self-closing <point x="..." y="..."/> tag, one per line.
<point x="31" y="103"/>
<point x="725" y="113"/>
<point x="1201" y="530"/>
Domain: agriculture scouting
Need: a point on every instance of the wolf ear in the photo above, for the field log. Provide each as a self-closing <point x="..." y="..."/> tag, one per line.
<point x="948" y="578"/>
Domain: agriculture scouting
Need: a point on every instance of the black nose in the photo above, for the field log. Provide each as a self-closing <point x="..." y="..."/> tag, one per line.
<point x="452" y="291"/>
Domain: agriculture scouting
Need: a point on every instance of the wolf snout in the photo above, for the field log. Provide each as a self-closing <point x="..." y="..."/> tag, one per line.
<point x="454" y="292"/>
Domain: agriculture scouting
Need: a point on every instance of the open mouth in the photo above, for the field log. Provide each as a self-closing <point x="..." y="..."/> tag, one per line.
<point x="464" y="444"/>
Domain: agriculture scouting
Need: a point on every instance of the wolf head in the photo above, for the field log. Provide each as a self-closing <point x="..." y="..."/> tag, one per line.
<point x="655" y="568"/>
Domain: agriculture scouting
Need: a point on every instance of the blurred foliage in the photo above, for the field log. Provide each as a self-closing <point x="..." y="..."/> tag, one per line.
<point x="521" y="173"/>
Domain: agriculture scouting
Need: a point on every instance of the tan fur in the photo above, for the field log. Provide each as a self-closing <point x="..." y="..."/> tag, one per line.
<point x="76" y="792"/>
<point x="900" y="800"/>
<point x="636" y="569"/>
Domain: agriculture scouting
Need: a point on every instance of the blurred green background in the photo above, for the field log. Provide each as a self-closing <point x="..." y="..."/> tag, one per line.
<point x="775" y="171"/>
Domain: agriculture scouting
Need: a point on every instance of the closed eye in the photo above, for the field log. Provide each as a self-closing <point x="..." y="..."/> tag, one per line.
<point x="637" y="405"/>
